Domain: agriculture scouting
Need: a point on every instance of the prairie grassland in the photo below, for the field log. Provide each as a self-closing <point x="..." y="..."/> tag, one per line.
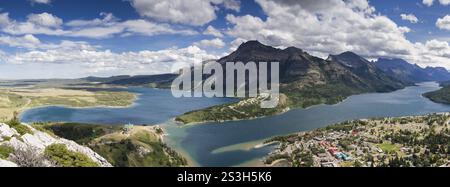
<point x="19" y="99"/>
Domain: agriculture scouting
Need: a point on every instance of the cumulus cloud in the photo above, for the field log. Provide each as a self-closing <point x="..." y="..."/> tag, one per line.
<point x="92" y="60"/>
<point x="28" y="41"/>
<point x="444" y="2"/>
<point x="236" y="43"/>
<point x="210" y="30"/>
<point x="192" y="12"/>
<point x="330" y="27"/>
<point x="4" y="19"/>
<point x="104" y="27"/>
<point x="216" y="43"/>
<point x="443" y="23"/>
<point x="430" y="2"/>
<point x="229" y="4"/>
<point x="106" y="19"/>
<point x="44" y="23"/>
<point x="45" y="19"/>
<point x="41" y="1"/>
<point x="409" y="17"/>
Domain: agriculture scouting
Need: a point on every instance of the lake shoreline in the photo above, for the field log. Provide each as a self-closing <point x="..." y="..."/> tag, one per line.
<point x="287" y="109"/>
<point x="196" y="142"/>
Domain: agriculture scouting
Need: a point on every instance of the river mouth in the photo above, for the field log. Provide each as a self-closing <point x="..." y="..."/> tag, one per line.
<point x="232" y="143"/>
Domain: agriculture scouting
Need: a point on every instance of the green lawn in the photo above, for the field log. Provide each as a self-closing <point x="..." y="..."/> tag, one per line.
<point x="388" y="147"/>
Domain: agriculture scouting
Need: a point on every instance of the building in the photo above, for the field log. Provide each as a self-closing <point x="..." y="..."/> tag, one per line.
<point x="128" y="127"/>
<point x="328" y="164"/>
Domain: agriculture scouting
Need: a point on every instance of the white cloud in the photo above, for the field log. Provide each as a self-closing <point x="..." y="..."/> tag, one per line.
<point x="444" y="2"/>
<point x="43" y="23"/>
<point x="331" y="27"/>
<point x="216" y="43"/>
<point x="28" y="41"/>
<point x="192" y="12"/>
<point x="41" y="1"/>
<point x="409" y="17"/>
<point x="4" y="19"/>
<point x="236" y="43"/>
<point x="45" y="19"/>
<point x="107" y="18"/>
<point x="229" y="4"/>
<point x="443" y="23"/>
<point x="210" y="30"/>
<point x="430" y="2"/>
<point x="92" y="60"/>
<point x="147" y="28"/>
<point x="104" y="27"/>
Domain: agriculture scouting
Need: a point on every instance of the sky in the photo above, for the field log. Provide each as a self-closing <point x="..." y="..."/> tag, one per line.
<point x="79" y="38"/>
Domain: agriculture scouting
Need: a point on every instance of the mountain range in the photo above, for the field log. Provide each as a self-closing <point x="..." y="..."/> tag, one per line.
<point x="301" y="69"/>
<point x="405" y="71"/>
<point x="305" y="80"/>
<point x="308" y="80"/>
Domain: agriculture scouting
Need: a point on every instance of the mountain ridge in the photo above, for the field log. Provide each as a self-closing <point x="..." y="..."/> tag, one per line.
<point x="305" y="80"/>
<point x="255" y="51"/>
<point x="411" y="72"/>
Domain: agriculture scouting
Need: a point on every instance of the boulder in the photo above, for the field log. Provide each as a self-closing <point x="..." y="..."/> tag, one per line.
<point x="5" y="163"/>
<point x="38" y="141"/>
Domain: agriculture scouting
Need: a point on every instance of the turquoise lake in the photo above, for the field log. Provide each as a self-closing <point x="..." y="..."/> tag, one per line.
<point x="201" y="142"/>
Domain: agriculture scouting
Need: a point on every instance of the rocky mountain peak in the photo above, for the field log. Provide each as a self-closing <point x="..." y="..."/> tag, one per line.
<point x="253" y="45"/>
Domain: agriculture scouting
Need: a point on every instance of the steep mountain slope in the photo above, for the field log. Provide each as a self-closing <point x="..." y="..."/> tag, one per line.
<point x="372" y="78"/>
<point x="305" y="79"/>
<point x="407" y="72"/>
<point x="300" y="69"/>
<point x="437" y="73"/>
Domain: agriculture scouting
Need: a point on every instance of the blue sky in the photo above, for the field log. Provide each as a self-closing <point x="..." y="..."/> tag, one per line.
<point x="72" y="38"/>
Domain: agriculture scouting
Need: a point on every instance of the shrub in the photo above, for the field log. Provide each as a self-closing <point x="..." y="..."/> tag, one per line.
<point x="28" y="157"/>
<point x="5" y="151"/>
<point x="67" y="158"/>
<point x="6" y="138"/>
<point x="23" y="129"/>
<point x="15" y="124"/>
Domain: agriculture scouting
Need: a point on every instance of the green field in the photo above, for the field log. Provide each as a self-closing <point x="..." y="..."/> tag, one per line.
<point x="388" y="147"/>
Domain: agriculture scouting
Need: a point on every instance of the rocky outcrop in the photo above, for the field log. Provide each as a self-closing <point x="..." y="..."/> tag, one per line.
<point x="6" y="131"/>
<point x="6" y="163"/>
<point x="38" y="141"/>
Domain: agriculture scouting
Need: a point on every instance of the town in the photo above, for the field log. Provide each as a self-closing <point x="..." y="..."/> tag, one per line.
<point x="420" y="141"/>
